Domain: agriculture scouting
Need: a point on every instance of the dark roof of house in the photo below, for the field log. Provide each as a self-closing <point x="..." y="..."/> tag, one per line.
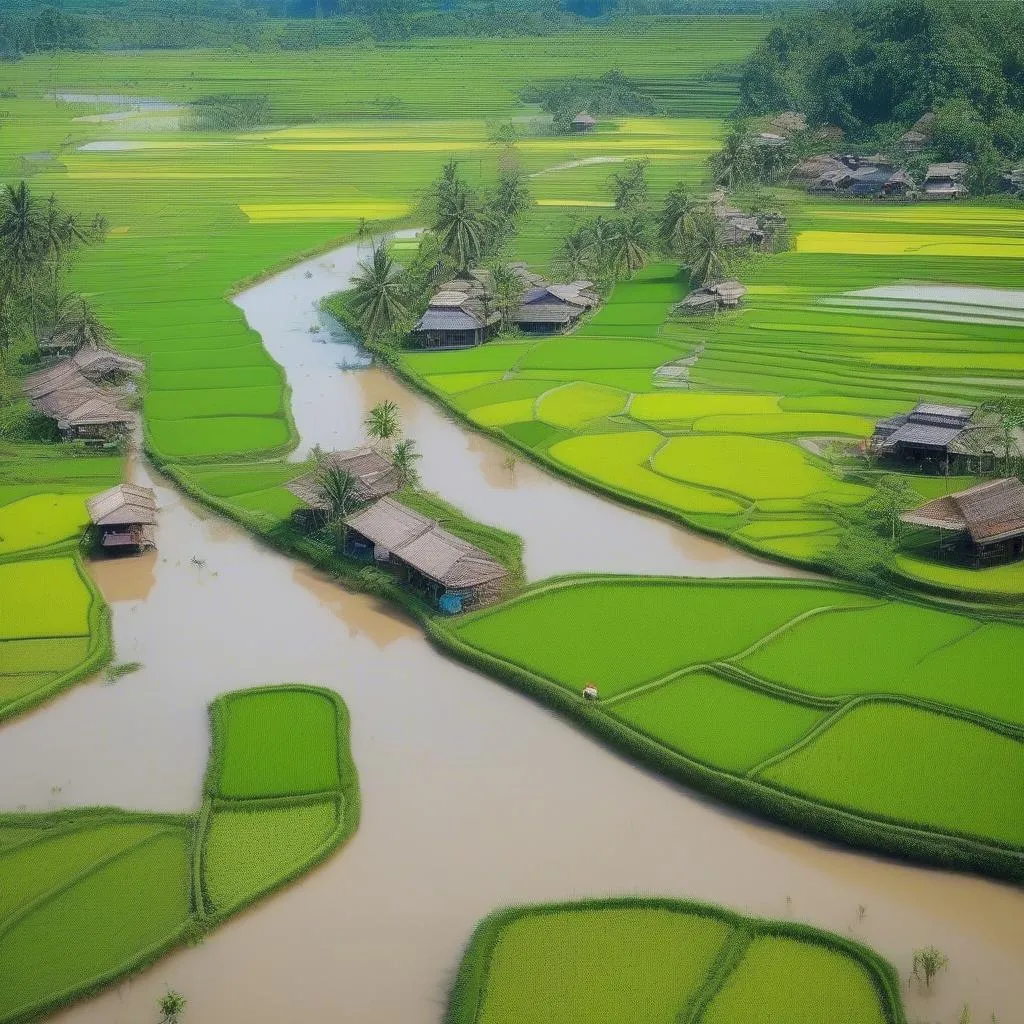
<point x="123" y="505"/>
<point x="446" y="318"/>
<point x="954" y="170"/>
<point x="989" y="512"/>
<point x="425" y="545"/>
<point x="584" y="118"/>
<point x="373" y="472"/>
<point x="923" y="435"/>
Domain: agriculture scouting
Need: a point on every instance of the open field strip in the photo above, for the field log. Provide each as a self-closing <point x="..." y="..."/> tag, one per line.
<point x="92" y="894"/>
<point x="775" y="697"/>
<point x="608" y="960"/>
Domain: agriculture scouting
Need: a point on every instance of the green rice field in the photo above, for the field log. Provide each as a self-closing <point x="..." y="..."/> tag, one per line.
<point x="89" y="895"/>
<point x="778" y="687"/>
<point x="599" y="959"/>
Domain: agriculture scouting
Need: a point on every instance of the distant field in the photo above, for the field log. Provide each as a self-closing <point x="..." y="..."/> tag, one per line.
<point x="89" y="895"/>
<point x="768" y="682"/>
<point x="664" y="961"/>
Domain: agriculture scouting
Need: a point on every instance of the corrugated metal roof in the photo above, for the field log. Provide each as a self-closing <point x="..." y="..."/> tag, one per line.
<point x="442" y="319"/>
<point x="923" y="434"/>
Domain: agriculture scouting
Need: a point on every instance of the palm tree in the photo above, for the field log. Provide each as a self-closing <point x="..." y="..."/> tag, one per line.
<point x="23" y="235"/>
<point x="508" y="289"/>
<point x="676" y="220"/>
<point x="602" y="248"/>
<point x="733" y="163"/>
<point x="377" y="298"/>
<point x="340" y="490"/>
<point x="630" y="189"/>
<point x="77" y="326"/>
<point x="404" y="459"/>
<point x="630" y="248"/>
<point x="382" y="422"/>
<point x="573" y="256"/>
<point x="704" y="251"/>
<point x="459" y="225"/>
<point x="510" y="199"/>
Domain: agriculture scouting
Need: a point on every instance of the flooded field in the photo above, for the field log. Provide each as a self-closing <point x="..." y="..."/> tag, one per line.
<point x="474" y="797"/>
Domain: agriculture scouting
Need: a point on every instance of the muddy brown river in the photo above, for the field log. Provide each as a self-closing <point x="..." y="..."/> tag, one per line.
<point x="474" y="797"/>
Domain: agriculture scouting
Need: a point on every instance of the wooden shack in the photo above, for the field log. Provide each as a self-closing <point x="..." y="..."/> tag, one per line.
<point x="374" y="474"/>
<point x="124" y="518"/>
<point x="583" y="122"/>
<point x="713" y="297"/>
<point x="984" y="524"/>
<point x="946" y="181"/>
<point x="450" y="573"/>
<point x="925" y="437"/>
<point x="550" y="308"/>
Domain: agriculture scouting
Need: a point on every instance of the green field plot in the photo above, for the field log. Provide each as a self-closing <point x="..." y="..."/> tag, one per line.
<point x="41" y="520"/>
<point x="574" y="405"/>
<point x="935" y="656"/>
<point x="718" y="721"/>
<point x="666" y="961"/>
<point x="250" y="850"/>
<point x="454" y="383"/>
<point x="209" y="436"/>
<point x="993" y="582"/>
<point x="621" y="462"/>
<point x="230" y="481"/>
<point x="598" y="965"/>
<point x="621" y="632"/>
<point x="787" y="423"/>
<point x="43" y="598"/>
<point x="876" y="407"/>
<point x="277" y="743"/>
<point x="909" y="765"/>
<point x="501" y="392"/>
<point x="489" y="359"/>
<point x="784" y="979"/>
<point x="805" y="700"/>
<point x="753" y="467"/>
<point x="111" y="902"/>
<point x="601" y="353"/>
<point x="659" y="406"/>
<point x="89" y="895"/>
<point x="503" y="414"/>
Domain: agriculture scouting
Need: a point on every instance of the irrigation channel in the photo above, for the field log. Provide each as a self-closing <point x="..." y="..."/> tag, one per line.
<point x="474" y="797"/>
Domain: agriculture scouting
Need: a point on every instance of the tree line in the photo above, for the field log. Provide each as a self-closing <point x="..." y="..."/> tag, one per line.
<point x="874" y="67"/>
<point x="40" y="239"/>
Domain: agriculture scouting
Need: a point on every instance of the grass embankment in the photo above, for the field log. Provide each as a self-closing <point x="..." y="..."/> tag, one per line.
<point x="90" y="895"/>
<point x="667" y="962"/>
<point x="774" y="695"/>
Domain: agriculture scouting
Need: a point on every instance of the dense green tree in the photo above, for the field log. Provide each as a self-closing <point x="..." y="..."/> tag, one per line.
<point x="378" y="298"/>
<point x="733" y="164"/>
<point x="676" y="219"/>
<point x="629" y="188"/>
<point x="705" y="251"/>
<point x="891" y="498"/>
<point x="508" y="289"/>
<point x="404" y="458"/>
<point x="77" y="326"/>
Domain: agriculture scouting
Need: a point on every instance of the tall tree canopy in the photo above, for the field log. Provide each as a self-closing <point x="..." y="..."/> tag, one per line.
<point x="870" y="62"/>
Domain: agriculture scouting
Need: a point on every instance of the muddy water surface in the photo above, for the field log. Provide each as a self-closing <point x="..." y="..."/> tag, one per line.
<point x="473" y="797"/>
<point x="564" y="528"/>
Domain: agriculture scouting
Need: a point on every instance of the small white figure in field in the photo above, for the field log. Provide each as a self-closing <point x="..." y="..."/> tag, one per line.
<point x="590" y="692"/>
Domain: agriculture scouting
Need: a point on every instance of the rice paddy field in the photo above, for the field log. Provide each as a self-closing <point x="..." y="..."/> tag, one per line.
<point x="92" y="894"/>
<point x="682" y="961"/>
<point x="54" y="626"/>
<point x="775" y="693"/>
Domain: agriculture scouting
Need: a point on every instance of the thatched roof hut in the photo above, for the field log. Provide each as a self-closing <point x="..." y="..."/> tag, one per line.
<point x="448" y="565"/>
<point x="989" y="518"/>
<point x="584" y="122"/>
<point x="124" y="516"/>
<point x="374" y="476"/>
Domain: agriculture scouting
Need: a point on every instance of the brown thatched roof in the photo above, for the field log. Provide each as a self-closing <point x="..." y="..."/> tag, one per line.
<point x="373" y="473"/>
<point x="989" y="512"/>
<point x="64" y="376"/>
<point x="100" y="362"/>
<point x="423" y="544"/>
<point x="123" y="505"/>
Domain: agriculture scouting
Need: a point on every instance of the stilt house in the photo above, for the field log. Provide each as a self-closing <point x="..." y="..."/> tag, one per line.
<point x="124" y="518"/>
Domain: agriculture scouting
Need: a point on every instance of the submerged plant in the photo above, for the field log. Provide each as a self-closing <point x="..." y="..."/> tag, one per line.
<point x="171" y="1006"/>
<point x="927" y="963"/>
<point x="122" y="668"/>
